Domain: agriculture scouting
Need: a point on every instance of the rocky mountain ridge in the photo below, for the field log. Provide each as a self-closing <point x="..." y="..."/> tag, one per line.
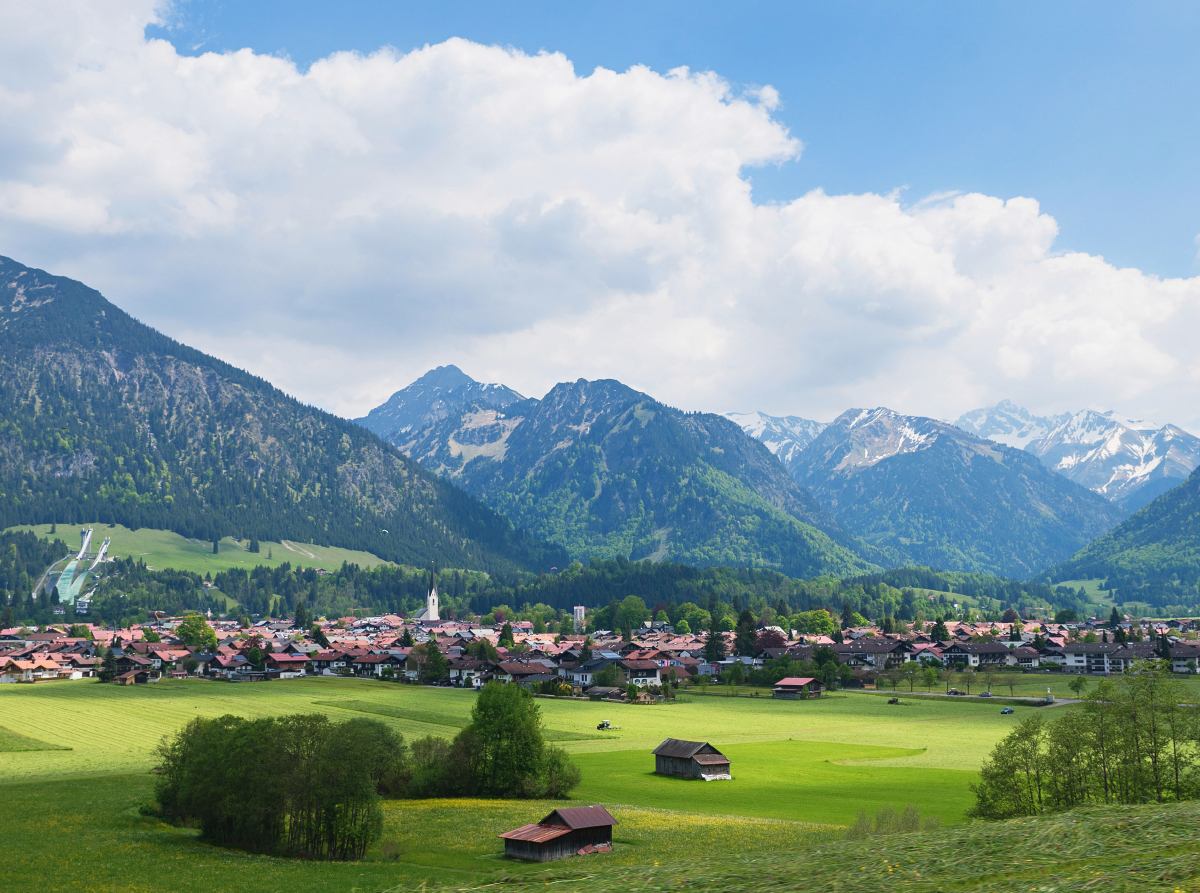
<point x="606" y="470"/>
<point x="1128" y="461"/>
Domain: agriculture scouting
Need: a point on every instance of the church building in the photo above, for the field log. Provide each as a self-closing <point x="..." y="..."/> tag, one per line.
<point x="430" y="614"/>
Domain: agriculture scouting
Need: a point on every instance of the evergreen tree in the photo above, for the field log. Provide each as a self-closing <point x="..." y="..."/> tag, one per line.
<point x="744" y="634"/>
<point x="714" y="645"/>
<point x="939" y="633"/>
<point x="318" y="636"/>
<point x="108" y="667"/>
<point x="254" y="544"/>
<point x="216" y="546"/>
<point x="435" y="667"/>
<point x="406" y="640"/>
<point x="302" y="618"/>
<point x="7" y="620"/>
<point x="586" y="652"/>
<point x="1114" y="619"/>
<point x="847" y="615"/>
<point x="506" y="636"/>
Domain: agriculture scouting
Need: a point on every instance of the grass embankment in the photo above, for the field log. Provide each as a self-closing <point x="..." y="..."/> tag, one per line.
<point x="1115" y="850"/>
<point x="162" y="549"/>
<point x="87" y="835"/>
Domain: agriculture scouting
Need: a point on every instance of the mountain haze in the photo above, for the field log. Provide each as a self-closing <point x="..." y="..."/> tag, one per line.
<point x="606" y="470"/>
<point x="925" y="492"/>
<point x="106" y="419"/>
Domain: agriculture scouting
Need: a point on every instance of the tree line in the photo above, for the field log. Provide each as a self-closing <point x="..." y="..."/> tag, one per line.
<point x="306" y="787"/>
<point x="1135" y="739"/>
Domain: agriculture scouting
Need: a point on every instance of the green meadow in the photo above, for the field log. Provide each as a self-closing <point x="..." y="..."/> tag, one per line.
<point x="802" y="770"/>
<point x="162" y="549"/>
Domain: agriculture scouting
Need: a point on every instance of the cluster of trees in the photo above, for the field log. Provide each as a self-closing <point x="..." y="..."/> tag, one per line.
<point x="306" y="787"/>
<point x="501" y="753"/>
<point x="296" y="785"/>
<point x="23" y="557"/>
<point x="824" y="666"/>
<point x="691" y="599"/>
<point x="1136" y="739"/>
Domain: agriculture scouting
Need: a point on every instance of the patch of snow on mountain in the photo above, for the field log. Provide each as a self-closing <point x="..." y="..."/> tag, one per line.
<point x="785" y="436"/>
<point x="1126" y="460"/>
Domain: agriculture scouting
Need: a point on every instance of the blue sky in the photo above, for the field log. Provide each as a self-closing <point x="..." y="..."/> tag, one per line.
<point x="993" y="201"/>
<point x="1091" y="108"/>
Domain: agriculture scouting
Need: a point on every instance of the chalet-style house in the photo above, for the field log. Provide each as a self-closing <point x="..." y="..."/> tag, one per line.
<point x="976" y="654"/>
<point x="573" y="831"/>
<point x="1105" y="657"/>
<point x="690" y="759"/>
<point x="877" y="653"/>
<point x="794" y="687"/>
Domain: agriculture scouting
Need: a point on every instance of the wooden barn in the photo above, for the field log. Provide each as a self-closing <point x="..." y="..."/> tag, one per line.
<point x="798" y="687"/>
<point x="690" y="759"/>
<point x="573" y="831"/>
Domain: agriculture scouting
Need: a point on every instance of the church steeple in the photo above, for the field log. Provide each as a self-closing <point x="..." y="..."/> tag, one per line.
<point x="431" y="601"/>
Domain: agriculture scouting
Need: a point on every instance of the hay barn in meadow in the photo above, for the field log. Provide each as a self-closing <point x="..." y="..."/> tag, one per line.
<point x="690" y="759"/>
<point x="573" y="831"/>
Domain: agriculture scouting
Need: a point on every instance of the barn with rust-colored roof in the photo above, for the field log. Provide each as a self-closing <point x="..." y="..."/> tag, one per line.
<point x="572" y="831"/>
<point x="690" y="759"/>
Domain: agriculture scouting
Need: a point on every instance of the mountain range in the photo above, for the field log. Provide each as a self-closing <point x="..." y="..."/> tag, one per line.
<point x="1128" y="461"/>
<point x="605" y="470"/>
<point x="104" y="419"/>
<point x="928" y="493"/>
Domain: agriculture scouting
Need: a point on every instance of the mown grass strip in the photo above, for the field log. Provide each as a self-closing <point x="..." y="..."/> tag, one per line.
<point x="14" y="742"/>
<point x="433" y="718"/>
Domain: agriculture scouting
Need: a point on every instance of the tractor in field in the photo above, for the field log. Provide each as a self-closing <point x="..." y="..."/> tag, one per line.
<point x="606" y="726"/>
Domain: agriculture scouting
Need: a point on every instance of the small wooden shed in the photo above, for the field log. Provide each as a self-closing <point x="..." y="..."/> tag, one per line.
<point x="798" y="687"/>
<point x="572" y="831"/>
<point x="690" y="759"/>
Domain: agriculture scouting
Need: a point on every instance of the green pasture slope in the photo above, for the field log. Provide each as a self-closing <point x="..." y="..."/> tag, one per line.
<point x="801" y="770"/>
<point x="162" y="549"/>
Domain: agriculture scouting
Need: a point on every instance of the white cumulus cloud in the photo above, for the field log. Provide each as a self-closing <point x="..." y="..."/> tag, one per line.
<point x="343" y="228"/>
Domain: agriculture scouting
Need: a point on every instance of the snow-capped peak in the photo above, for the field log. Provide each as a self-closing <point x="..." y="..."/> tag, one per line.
<point x="1130" y="461"/>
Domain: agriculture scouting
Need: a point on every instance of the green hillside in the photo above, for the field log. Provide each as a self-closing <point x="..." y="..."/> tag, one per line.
<point x="165" y="549"/>
<point x="101" y="417"/>
<point x="1153" y="557"/>
<point x="604" y="470"/>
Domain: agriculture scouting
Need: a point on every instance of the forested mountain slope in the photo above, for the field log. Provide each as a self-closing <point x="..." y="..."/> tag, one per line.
<point x="1153" y="556"/>
<point x="103" y="418"/>
<point x="606" y="470"/>
<point x="930" y="494"/>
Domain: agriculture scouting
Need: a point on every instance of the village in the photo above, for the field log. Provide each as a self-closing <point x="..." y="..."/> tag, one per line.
<point x="645" y="665"/>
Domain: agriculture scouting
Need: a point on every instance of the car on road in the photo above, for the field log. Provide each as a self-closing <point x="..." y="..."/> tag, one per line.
<point x="1007" y="710"/>
<point x="985" y="694"/>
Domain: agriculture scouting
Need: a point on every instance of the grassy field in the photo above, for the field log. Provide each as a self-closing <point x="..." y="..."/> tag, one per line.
<point x="164" y="549"/>
<point x="14" y="742"/>
<point x="802" y="770"/>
